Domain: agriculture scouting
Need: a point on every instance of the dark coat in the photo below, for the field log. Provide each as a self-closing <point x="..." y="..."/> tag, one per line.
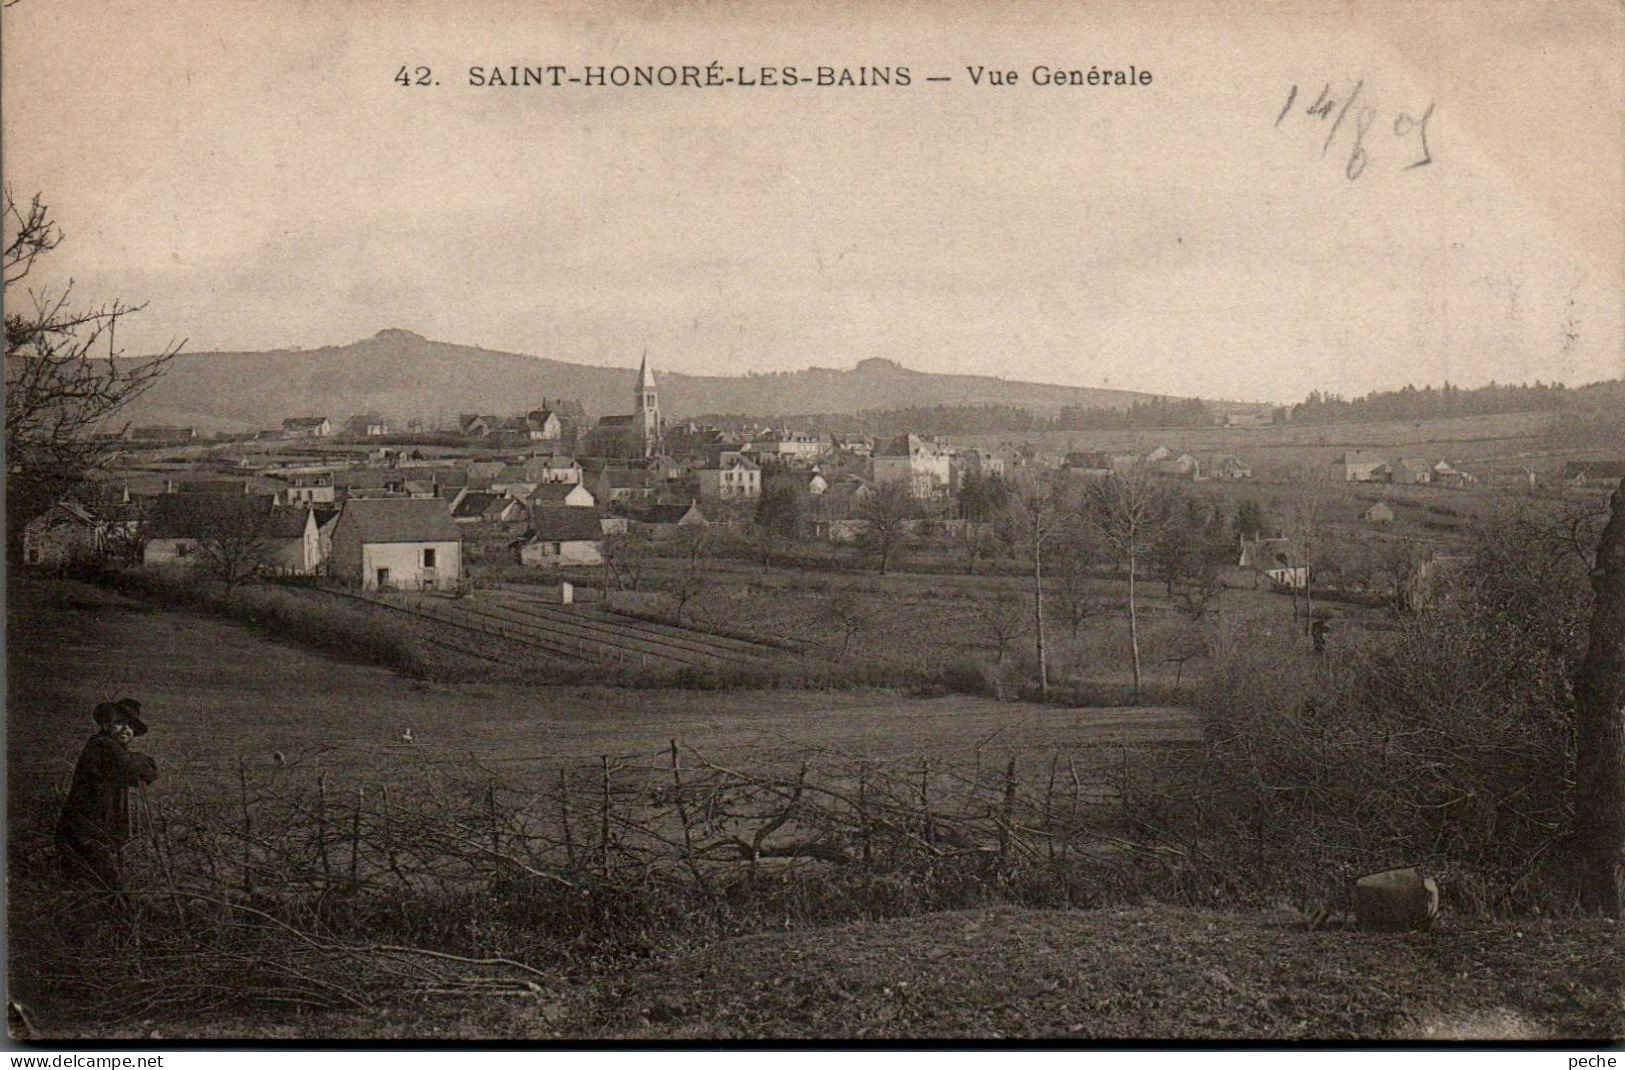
<point x="98" y="810"/>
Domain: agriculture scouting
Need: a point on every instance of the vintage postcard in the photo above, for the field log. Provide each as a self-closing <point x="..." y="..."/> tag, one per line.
<point x="735" y="522"/>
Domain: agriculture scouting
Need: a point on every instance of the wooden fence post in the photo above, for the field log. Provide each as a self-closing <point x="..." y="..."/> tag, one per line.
<point x="491" y="813"/>
<point x="863" y="813"/>
<point x="1077" y="789"/>
<point x="564" y="819"/>
<point x="248" y="828"/>
<point x="321" y="826"/>
<point x="1049" y="798"/>
<point x="925" y="802"/>
<point x="355" y="836"/>
<point x="1006" y="808"/>
<point x="682" y="807"/>
<point x="603" y="832"/>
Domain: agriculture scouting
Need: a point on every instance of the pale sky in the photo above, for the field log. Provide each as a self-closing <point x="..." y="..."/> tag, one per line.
<point x="251" y="171"/>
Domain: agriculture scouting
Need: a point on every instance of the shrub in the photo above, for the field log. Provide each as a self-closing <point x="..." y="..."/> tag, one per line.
<point x="1448" y="744"/>
<point x="320" y="622"/>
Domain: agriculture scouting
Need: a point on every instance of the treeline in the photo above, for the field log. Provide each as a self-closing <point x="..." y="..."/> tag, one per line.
<point x="987" y="419"/>
<point x="1430" y="403"/>
<point x="1320" y="407"/>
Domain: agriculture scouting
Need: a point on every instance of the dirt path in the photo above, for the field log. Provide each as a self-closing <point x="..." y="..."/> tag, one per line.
<point x="1131" y="974"/>
<point x="1140" y="973"/>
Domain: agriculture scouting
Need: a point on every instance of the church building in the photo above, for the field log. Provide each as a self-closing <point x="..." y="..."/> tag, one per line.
<point x="636" y="433"/>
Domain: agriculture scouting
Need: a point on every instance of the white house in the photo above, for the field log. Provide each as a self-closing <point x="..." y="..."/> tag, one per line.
<point x="739" y="479"/>
<point x="575" y="495"/>
<point x="1228" y="467"/>
<point x="1184" y="466"/>
<point x="624" y="485"/>
<point x="403" y="543"/>
<point x="307" y="427"/>
<point x="972" y="461"/>
<point x="544" y="425"/>
<point x="791" y="449"/>
<point x="925" y="468"/>
<point x="563" y="536"/>
<point x="1410" y="470"/>
<point x="1358" y="466"/>
<point x="309" y="486"/>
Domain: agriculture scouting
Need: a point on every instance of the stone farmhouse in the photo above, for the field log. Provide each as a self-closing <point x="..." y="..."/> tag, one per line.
<point x="409" y="544"/>
<point x="65" y="534"/>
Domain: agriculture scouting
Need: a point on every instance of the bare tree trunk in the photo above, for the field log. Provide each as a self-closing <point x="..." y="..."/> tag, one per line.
<point x="1133" y="626"/>
<point x="1038" y="613"/>
<point x="1309" y="601"/>
<point x="1599" y="774"/>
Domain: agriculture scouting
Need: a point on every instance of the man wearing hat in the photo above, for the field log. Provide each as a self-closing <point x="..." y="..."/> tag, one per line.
<point x="95" y="823"/>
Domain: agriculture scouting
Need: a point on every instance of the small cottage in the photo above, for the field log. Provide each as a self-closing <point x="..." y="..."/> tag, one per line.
<point x="407" y="544"/>
<point x="64" y="534"/>
<point x="1380" y="513"/>
<point x="563" y="536"/>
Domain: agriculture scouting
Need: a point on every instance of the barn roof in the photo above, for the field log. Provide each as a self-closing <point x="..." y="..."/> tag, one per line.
<point x="193" y="516"/>
<point x="474" y="504"/>
<point x="552" y="523"/>
<point x="554" y="493"/>
<point x="402" y="520"/>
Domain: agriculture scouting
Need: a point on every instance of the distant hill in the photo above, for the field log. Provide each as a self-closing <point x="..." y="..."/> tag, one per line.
<point x="402" y="374"/>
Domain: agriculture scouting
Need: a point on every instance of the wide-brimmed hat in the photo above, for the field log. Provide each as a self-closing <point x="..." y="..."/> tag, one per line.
<point x="125" y="711"/>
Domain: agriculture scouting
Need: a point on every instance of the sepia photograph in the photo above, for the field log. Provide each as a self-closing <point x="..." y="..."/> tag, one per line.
<point x="619" y="523"/>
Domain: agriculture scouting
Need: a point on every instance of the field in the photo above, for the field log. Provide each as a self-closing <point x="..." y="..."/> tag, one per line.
<point x="220" y="693"/>
<point x="1524" y="438"/>
<point x="217" y="692"/>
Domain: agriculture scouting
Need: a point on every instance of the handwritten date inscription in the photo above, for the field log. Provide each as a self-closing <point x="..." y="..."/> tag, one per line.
<point x="1403" y="138"/>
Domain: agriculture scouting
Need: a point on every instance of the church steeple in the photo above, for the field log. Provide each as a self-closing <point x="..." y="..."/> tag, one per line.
<point x="646" y="384"/>
<point x="647" y="405"/>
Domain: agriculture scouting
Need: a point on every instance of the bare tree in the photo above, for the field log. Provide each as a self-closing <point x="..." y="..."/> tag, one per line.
<point x="1074" y="557"/>
<point x="1038" y="513"/>
<point x="237" y="536"/>
<point x="1395" y="570"/>
<point x="1305" y="533"/>
<point x="1190" y="643"/>
<point x="1004" y="617"/>
<point x="65" y="380"/>
<point x="691" y="579"/>
<point x="848" y="613"/>
<point x="886" y="513"/>
<point x="1599" y="773"/>
<point x="1128" y="511"/>
<point x="625" y="557"/>
<point x="1189" y="554"/>
<point x="781" y="514"/>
